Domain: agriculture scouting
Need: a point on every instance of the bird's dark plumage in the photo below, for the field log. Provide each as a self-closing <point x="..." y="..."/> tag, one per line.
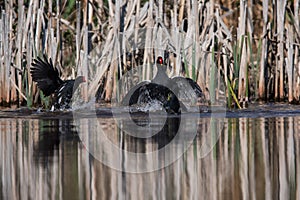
<point x="47" y="78"/>
<point x="153" y="93"/>
<point x="163" y="89"/>
<point x="45" y="75"/>
<point x="186" y="86"/>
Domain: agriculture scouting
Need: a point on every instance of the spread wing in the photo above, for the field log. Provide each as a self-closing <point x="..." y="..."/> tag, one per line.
<point x="133" y="94"/>
<point x="184" y="90"/>
<point x="147" y="92"/>
<point x="45" y="75"/>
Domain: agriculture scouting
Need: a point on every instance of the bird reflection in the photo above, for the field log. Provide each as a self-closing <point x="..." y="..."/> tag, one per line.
<point x="158" y="140"/>
<point x="54" y="135"/>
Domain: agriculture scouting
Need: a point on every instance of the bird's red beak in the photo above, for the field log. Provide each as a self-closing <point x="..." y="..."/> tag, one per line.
<point x="83" y="79"/>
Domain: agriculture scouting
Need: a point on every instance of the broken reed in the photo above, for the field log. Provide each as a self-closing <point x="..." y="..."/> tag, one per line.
<point x="251" y="48"/>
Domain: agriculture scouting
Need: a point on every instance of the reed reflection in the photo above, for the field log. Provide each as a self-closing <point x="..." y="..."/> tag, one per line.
<point x="254" y="158"/>
<point x="54" y="134"/>
<point x="169" y="135"/>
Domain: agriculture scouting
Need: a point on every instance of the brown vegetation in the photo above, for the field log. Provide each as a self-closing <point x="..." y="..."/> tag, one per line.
<point x="251" y="46"/>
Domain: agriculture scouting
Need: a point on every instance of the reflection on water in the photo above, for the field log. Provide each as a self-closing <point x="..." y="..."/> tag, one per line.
<point x="253" y="158"/>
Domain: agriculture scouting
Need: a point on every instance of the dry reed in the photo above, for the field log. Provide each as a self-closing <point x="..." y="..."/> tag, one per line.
<point x="233" y="43"/>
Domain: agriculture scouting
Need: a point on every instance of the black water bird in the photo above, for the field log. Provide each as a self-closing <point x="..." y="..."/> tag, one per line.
<point x="47" y="78"/>
<point x="164" y="90"/>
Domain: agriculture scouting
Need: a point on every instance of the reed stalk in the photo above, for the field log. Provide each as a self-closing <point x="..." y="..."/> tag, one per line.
<point x="237" y="37"/>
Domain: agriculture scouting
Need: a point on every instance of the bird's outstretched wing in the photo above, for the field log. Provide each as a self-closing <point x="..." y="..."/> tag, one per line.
<point x="186" y="87"/>
<point x="133" y="94"/>
<point x="45" y="75"/>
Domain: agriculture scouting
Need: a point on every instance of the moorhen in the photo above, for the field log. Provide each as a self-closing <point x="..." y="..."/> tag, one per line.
<point x="162" y="89"/>
<point x="47" y="78"/>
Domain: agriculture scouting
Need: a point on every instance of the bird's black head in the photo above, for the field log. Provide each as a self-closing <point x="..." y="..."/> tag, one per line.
<point x="80" y="79"/>
<point x="159" y="60"/>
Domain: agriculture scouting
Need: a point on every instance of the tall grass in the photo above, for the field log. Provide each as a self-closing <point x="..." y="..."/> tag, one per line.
<point x="251" y="48"/>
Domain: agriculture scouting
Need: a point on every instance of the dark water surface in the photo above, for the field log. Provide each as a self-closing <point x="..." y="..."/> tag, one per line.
<point x="249" y="154"/>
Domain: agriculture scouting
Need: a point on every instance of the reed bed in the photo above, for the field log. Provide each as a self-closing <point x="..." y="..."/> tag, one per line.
<point x="242" y="50"/>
